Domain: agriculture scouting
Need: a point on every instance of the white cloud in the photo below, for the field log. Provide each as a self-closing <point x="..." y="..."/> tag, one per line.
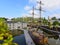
<point x="30" y="14"/>
<point x="35" y="12"/>
<point x="32" y="1"/>
<point x="26" y="15"/>
<point x="27" y="7"/>
<point x="55" y="15"/>
<point x="49" y="4"/>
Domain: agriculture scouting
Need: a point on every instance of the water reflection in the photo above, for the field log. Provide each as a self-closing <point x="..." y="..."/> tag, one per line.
<point x="54" y="40"/>
<point x="20" y="40"/>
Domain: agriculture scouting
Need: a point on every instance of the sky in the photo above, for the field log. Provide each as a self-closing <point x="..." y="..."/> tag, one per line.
<point x="23" y="8"/>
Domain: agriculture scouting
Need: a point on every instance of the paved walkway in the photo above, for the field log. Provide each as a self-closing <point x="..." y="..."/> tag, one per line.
<point x="29" y="41"/>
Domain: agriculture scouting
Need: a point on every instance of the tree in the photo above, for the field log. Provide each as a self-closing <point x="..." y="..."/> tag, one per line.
<point x="59" y="24"/>
<point x="53" y="18"/>
<point x="5" y="36"/>
<point x="45" y="21"/>
<point x="50" y="25"/>
<point x="56" y="24"/>
<point x="25" y="19"/>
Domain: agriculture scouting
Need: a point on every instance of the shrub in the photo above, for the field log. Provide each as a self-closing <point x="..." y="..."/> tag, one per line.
<point x="4" y="33"/>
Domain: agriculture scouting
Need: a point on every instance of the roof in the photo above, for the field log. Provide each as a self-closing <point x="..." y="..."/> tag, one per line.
<point x="11" y="21"/>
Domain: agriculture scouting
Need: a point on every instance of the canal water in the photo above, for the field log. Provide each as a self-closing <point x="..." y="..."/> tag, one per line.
<point x="52" y="41"/>
<point x="20" y="40"/>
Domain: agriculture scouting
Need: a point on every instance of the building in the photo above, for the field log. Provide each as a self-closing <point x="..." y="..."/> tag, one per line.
<point x="16" y="25"/>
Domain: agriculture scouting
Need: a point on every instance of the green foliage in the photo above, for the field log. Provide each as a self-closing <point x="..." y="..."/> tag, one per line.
<point x="16" y="32"/>
<point x="16" y="19"/>
<point x="4" y="33"/>
<point x="59" y="24"/>
<point x="25" y="19"/>
<point x="3" y="25"/>
<point x="45" y="21"/>
<point x="53" y="18"/>
<point x="50" y="24"/>
<point x="55" y="23"/>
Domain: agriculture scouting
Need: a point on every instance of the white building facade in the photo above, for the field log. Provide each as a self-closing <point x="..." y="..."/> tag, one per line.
<point x="16" y="25"/>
